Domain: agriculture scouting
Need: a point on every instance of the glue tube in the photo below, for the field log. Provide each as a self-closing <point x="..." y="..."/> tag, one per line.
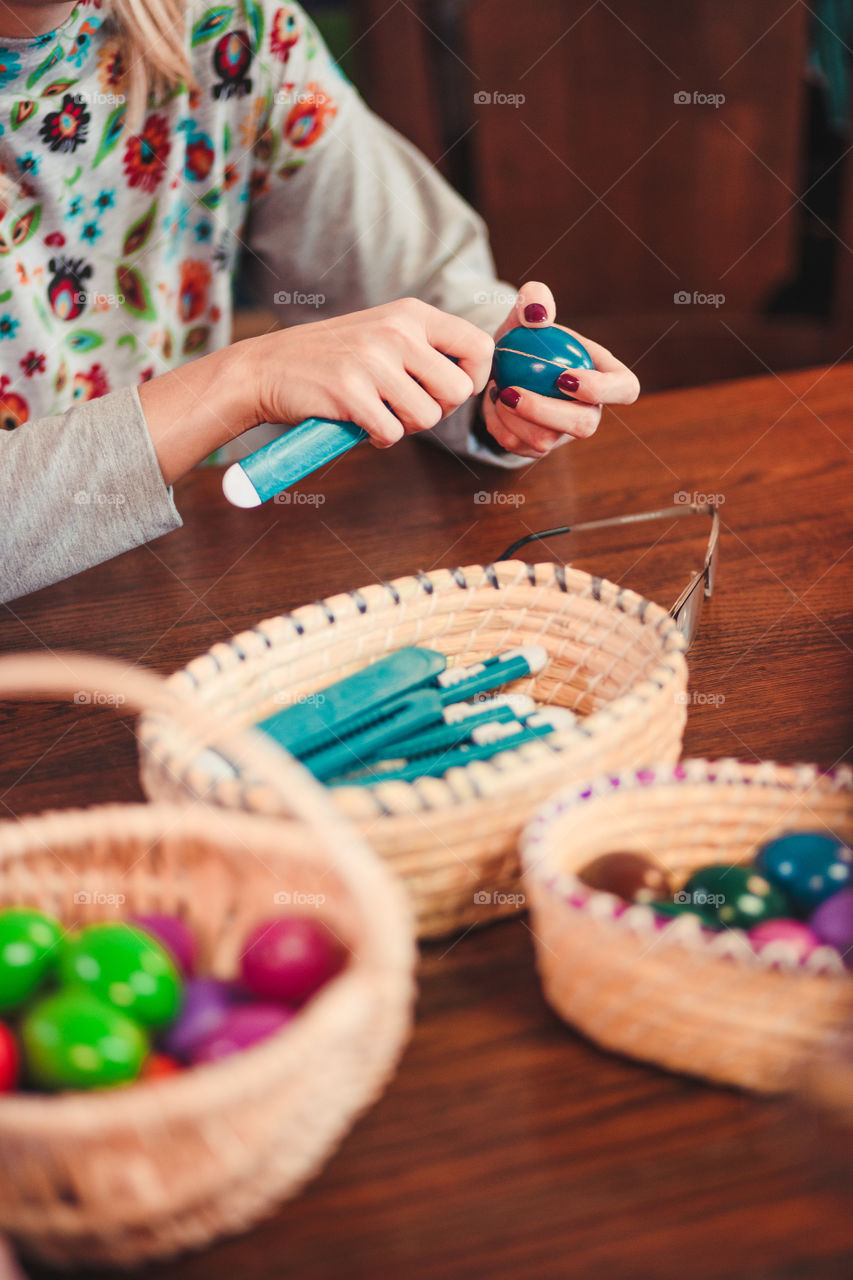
<point x="290" y="458"/>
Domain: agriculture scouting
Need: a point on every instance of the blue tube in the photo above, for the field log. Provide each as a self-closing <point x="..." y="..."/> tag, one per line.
<point x="290" y="458"/>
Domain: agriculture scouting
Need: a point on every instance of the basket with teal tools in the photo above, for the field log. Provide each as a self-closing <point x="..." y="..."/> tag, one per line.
<point x="611" y="658"/>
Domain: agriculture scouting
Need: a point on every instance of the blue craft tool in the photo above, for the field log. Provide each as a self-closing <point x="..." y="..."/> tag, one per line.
<point x="290" y="458"/>
<point x="457" y="684"/>
<point x="350" y="705"/>
<point x="455" y="724"/>
<point x="404" y="717"/>
<point x="488" y="740"/>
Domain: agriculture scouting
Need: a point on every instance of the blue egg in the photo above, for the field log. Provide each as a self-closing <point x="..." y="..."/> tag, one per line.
<point x="809" y="865"/>
<point x="533" y="359"/>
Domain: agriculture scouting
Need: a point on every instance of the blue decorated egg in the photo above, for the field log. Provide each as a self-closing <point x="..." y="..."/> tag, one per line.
<point x="810" y="866"/>
<point x="533" y="359"/>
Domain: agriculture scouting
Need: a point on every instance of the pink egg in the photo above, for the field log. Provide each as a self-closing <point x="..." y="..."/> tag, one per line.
<point x="174" y="934"/>
<point x="290" y="958"/>
<point x="792" y="935"/>
<point x="243" y="1026"/>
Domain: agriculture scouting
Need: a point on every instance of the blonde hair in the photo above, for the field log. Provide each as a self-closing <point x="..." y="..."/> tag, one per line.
<point x="153" y="48"/>
<point x="151" y="37"/>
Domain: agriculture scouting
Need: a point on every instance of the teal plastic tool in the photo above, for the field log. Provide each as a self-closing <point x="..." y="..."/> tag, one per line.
<point x="457" y="684"/>
<point x="488" y="741"/>
<point x="353" y="704"/>
<point x="405" y="717"/>
<point x="290" y="458"/>
<point x="452" y="726"/>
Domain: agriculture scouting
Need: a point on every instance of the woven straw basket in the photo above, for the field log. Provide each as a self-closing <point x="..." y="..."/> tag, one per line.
<point x="670" y="992"/>
<point x="126" y="1175"/>
<point x="615" y="659"/>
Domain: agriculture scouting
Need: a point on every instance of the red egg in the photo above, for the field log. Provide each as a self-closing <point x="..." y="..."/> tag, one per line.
<point x="290" y="958"/>
<point x="158" y="1066"/>
<point x="9" y="1060"/>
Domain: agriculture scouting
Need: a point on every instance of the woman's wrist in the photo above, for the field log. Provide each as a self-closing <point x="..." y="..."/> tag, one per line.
<point x="196" y="408"/>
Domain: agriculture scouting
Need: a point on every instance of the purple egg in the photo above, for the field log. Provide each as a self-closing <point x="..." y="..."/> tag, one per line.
<point x="833" y="923"/>
<point x="792" y="935"/>
<point x="207" y="1001"/>
<point x="289" y="958"/>
<point x="241" y="1027"/>
<point x="175" y="935"/>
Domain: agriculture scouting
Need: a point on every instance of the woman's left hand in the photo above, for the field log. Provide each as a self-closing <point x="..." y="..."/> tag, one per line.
<point x="532" y="425"/>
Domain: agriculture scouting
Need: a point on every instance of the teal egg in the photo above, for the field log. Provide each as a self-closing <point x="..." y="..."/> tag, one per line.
<point x="810" y="866"/>
<point x="533" y="359"/>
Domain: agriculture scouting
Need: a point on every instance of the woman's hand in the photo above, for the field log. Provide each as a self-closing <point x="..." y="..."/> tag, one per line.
<point x="386" y="369"/>
<point x="355" y="368"/>
<point x="532" y="425"/>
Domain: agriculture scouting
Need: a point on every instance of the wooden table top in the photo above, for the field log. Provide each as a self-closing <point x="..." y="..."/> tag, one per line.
<point x="507" y="1145"/>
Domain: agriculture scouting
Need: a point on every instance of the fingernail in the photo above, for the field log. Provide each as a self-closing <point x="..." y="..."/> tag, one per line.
<point x="535" y="313"/>
<point x="510" y="397"/>
<point x="493" y="393"/>
<point x="568" y="382"/>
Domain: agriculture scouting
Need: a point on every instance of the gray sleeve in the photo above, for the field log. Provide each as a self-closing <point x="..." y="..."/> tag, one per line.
<point x="366" y="219"/>
<point x="78" y="489"/>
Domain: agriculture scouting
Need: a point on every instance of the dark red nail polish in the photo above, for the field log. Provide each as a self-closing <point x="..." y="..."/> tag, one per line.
<point x="510" y="397"/>
<point x="493" y="393"/>
<point x="535" y="313"/>
<point x="568" y="382"/>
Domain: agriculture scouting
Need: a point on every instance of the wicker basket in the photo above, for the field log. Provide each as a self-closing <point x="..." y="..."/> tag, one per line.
<point x="670" y="992"/>
<point x="615" y="659"/>
<point x="146" y="1171"/>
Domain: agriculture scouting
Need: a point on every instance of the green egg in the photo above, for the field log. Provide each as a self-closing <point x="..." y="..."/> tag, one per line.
<point x="73" y="1040"/>
<point x="126" y="968"/>
<point x="28" y="953"/>
<point x="739" y="896"/>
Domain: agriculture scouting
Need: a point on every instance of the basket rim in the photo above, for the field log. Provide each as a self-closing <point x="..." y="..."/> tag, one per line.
<point x="731" y="945"/>
<point x="513" y="765"/>
<point x="212" y="1085"/>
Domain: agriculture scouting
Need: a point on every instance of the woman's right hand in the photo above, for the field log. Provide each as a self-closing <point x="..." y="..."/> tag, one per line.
<point x="349" y="368"/>
<point x="386" y="369"/>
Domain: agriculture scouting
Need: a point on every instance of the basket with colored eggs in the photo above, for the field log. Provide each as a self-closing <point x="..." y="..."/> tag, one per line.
<point x="194" y="1005"/>
<point x="699" y="916"/>
<point x="610" y="658"/>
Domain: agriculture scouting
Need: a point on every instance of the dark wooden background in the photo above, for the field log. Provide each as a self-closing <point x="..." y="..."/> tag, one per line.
<point x="508" y="1146"/>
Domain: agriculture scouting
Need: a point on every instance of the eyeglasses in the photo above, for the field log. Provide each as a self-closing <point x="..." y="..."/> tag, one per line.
<point x="688" y="607"/>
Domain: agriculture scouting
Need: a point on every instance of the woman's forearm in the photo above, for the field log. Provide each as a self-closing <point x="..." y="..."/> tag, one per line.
<point x="194" y="409"/>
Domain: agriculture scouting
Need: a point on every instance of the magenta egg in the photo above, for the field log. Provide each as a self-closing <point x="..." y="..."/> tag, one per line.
<point x="206" y="1003"/>
<point x="290" y="958"/>
<point x="174" y="934"/>
<point x="241" y="1027"/>
<point x="792" y="935"/>
<point x="833" y="923"/>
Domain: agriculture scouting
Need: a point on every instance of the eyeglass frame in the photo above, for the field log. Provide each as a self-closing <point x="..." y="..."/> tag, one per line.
<point x="687" y="620"/>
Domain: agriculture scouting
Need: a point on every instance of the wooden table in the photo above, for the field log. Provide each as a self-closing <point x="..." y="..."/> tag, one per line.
<point x="507" y="1146"/>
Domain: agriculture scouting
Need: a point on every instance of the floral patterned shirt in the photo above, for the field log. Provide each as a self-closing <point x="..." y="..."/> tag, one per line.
<point x="117" y="250"/>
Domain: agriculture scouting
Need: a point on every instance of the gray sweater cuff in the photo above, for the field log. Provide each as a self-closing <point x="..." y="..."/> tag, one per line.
<point x="77" y="489"/>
